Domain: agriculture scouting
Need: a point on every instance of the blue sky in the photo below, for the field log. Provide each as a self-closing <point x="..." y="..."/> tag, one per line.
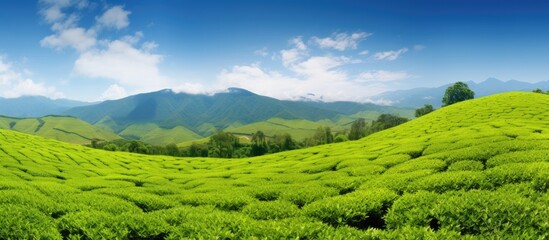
<point x="330" y="50"/>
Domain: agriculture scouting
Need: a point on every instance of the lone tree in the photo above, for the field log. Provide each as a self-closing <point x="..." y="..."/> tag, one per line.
<point x="457" y="93"/>
<point x="427" y="108"/>
<point x="358" y="129"/>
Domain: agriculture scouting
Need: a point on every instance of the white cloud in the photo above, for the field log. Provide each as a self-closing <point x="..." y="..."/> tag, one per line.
<point x="277" y="85"/>
<point x="341" y="41"/>
<point x="298" y="43"/>
<point x="261" y="52"/>
<point x="382" y="76"/>
<point x="390" y="55"/>
<point x="365" y="52"/>
<point x="321" y="68"/>
<point x="77" y="38"/>
<point x="133" y="39"/>
<point x="4" y="67"/>
<point x="115" y="17"/>
<point x="28" y="87"/>
<point x="14" y="84"/>
<point x="292" y="55"/>
<point x="113" y="92"/>
<point x="52" y="10"/>
<point x="124" y="63"/>
<point x="194" y="88"/>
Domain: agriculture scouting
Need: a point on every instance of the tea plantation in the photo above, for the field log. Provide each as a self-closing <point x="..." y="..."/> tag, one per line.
<point x="476" y="169"/>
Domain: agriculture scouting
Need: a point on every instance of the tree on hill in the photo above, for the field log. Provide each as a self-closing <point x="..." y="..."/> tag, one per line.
<point x="385" y="121"/>
<point x="457" y="93"/>
<point x="197" y="150"/>
<point x="358" y="129"/>
<point x="136" y="147"/>
<point x="537" y="90"/>
<point x="259" y="144"/>
<point x="172" y="150"/>
<point x="323" y="135"/>
<point x="427" y="108"/>
<point x="223" y="145"/>
<point x="282" y="142"/>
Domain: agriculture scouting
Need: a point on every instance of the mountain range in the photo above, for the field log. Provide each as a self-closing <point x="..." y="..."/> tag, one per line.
<point x="417" y="97"/>
<point x="36" y="106"/>
<point x="166" y="116"/>
<point x="205" y="114"/>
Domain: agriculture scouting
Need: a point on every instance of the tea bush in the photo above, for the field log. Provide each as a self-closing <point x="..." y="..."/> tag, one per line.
<point x="474" y="170"/>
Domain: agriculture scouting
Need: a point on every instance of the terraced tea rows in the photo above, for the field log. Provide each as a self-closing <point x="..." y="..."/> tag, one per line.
<point x="473" y="169"/>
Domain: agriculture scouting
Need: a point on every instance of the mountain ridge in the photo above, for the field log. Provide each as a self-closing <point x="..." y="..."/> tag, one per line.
<point x="169" y="109"/>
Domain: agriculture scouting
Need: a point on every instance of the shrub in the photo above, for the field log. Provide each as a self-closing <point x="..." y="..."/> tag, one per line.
<point x="301" y="195"/>
<point x="492" y="213"/>
<point x="391" y="160"/>
<point x="362" y="209"/>
<point x="24" y="222"/>
<point x="228" y="201"/>
<point x="418" y="164"/>
<point x="466" y="165"/>
<point x="270" y="210"/>
<point x="396" y="182"/>
<point x="519" y="157"/>
<point x="447" y="181"/>
<point x="517" y="173"/>
<point x="412" y="209"/>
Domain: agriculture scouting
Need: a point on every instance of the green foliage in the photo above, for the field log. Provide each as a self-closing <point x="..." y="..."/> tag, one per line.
<point x="21" y="222"/>
<point x="491" y="214"/>
<point x="457" y="93"/>
<point x="412" y="209"/>
<point x="466" y="165"/>
<point x="271" y="210"/>
<point x="358" y="129"/>
<point x="448" y="181"/>
<point x="363" y="209"/>
<point x="222" y="145"/>
<point x="427" y="108"/>
<point x="472" y="170"/>
<point x="537" y="90"/>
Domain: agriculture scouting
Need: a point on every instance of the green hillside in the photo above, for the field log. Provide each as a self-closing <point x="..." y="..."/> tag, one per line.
<point x="153" y="134"/>
<point x="66" y="129"/>
<point x="476" y="169"/>
<point x="298" y="128"/>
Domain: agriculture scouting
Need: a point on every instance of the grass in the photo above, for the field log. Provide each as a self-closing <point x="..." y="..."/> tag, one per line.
<point x="299" y="129"/>
<point x="476" y="169"/>
<point x="67" y="129"/>
<point x="153" y="134"/>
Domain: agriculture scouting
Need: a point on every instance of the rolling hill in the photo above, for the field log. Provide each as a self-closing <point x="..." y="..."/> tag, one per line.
<point x="153" y="134"/>
<point x="475" y="169"/>
<point x="416" y="97"/>
<point x="205" y="114"/>
<point x="62" y="128"/>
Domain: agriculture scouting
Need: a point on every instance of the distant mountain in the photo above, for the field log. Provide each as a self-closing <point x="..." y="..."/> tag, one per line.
<point x="36" y="106"/>
<point x="62" y="128"/>
<point x="416" y="97"/>
<point x="204" y="114"/>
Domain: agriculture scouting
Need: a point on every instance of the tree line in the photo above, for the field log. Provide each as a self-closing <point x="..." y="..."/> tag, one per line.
<point x="228" y="145"/>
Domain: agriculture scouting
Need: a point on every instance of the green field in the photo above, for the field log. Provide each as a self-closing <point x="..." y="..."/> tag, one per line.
<point x="153" y="134"/>
<point x="62" y="128"/>
<point x="476" y="169"/>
